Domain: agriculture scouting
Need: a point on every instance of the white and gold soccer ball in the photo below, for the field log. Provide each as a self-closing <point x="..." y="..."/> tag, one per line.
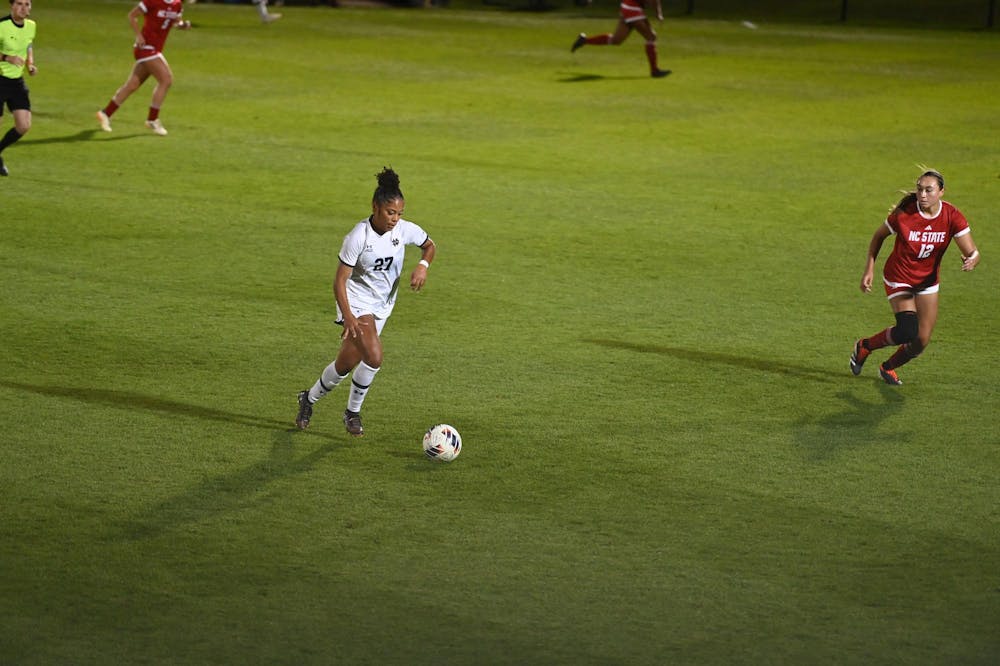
<point x="442" y="442"/>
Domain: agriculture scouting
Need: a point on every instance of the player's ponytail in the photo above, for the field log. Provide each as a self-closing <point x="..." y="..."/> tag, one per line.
<point x="909" y="198"/>
<point x="388" y="187"/>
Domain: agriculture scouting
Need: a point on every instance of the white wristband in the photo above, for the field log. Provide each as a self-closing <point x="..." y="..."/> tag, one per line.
<point x="423" y="262"/>
<point x="973" y="255"/>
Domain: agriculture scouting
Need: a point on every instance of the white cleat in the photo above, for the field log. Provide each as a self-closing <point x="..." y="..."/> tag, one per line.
<point x="270" y="18"/>
<point x="104" y="120"/>
<point x="157" y="127"/>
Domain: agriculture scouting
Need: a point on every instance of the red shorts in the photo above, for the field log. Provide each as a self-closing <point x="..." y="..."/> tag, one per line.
<point x="894" y="289"/>
<point x="631" y="11"/>
<point x="144" y="53"/>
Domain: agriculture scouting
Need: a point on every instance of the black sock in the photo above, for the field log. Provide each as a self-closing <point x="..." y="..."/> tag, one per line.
<point x="10" y="137"/>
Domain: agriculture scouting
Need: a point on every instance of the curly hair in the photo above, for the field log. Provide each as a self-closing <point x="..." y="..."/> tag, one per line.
<point x="388" y="187"/>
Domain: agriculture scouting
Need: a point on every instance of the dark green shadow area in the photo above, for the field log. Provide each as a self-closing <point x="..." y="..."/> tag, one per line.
<point x="132" y="401"/>
<point x="743" y="362"/>
<point x="214" y="495"/>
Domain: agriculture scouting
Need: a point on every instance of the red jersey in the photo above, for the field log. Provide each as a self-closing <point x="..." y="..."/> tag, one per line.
<point x="920" y="244"/>
<point x="159" y="17"/>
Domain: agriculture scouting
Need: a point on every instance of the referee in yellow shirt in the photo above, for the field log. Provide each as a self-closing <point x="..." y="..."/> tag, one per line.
<point x="17" y="32"/>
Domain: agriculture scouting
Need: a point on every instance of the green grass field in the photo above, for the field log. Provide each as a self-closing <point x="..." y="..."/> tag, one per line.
<point x="639" y="319"/>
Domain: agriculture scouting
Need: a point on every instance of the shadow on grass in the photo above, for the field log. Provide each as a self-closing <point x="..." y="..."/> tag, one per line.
<point x="222" y="493"/>
<point x="856" y="425"/>
<point x="216" y="494"/>
<point x="582" y="78"/>
<point x="133" y="401"/>
<point x="719" y="358"/>
<point x="87" y="135"/>
<point x="579" y="78"/>
<point x="82" y="135"/>
<point x="822" y="436"/>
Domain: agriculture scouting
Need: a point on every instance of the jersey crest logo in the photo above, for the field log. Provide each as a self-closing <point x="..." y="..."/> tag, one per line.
<point x="395" y="242"/>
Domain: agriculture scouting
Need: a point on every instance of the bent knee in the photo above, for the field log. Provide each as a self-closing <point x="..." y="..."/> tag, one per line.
<point x="906" y="329"/>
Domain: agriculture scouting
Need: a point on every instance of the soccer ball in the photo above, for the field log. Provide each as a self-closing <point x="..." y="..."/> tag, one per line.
<point x="442" y="442"/>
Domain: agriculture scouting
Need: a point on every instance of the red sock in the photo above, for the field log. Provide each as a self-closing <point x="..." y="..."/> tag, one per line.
<point x="651" y="56"/>
<point x="599" y="40"/>
<point x="154" y="113"/>
<point x="903" y="355"/>
<point x="110" y="108"/>
<point x="877" y="341"/>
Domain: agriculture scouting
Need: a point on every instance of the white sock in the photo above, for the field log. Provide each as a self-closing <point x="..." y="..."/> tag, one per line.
<point x="261" y="7"/>
<point x="361" y="380"/>
<point x="329" y="379"/>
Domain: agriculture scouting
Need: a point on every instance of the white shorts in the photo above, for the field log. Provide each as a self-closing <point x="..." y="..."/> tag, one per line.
<point x="379" y="323"/>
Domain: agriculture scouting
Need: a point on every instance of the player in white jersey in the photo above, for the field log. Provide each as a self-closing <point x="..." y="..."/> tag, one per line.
<point x="365" y="287"/>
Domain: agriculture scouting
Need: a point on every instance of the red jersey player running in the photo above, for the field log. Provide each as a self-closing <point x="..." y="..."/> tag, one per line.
<point x="924" y="226"/>
<point x="159" y="16"/>
<point x="631" y="15"/>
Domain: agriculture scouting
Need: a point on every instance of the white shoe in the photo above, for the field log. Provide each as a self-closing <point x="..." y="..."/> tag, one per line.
<point x="157" y="127"/>
<point x="104" y="120"/>
<point x="270" y="18"/>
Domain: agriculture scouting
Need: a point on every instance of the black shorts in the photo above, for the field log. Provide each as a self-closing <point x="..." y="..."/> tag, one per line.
<point x="14" y="93"/>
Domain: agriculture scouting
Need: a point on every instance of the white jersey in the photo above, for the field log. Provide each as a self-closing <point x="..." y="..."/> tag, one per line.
<point x="378" y="262"/>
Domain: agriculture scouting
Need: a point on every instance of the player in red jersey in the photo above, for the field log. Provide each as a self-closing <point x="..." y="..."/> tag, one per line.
<point x="631" y="15"/>
<point x="924" y="226"/>
<point x="159" y="16"/>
